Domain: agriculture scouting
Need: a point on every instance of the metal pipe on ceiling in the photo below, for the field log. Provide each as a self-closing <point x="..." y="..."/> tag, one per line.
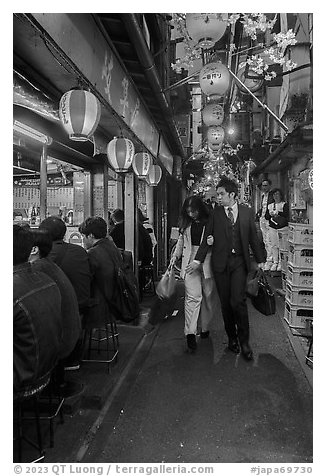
<point x="146" y="58"/>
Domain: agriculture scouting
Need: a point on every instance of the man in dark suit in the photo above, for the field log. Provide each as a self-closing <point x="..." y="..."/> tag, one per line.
<point x="231" y="230"/>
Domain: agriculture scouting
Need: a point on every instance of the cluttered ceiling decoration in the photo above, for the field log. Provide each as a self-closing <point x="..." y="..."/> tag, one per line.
<point x="256" y="57"/>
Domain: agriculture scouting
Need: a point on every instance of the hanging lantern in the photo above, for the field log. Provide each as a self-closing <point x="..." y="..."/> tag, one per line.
<point x="213" y="114"/>
<point x="120" y="152"/>
<point x="154" y="175"/>
<point x="80" y="113"/>
<point x="206" y="28"/>
<point x="215" y="135"/>
<point x="214" y="79"/>
<point x="141" y="163"/>
<point x="252" y="84"/>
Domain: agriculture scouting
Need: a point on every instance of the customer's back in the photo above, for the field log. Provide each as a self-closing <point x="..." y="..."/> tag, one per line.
<point x="37" y="325"/>
<point x="72" y="259"/>
<point x="71" y="321"/>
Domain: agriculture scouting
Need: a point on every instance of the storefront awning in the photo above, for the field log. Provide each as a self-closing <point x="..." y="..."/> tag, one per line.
<point x="295" y="145"/>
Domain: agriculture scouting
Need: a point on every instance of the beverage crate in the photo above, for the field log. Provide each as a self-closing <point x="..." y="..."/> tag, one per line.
<point x="301" y="234"/>
<point x="297" y="316"/>
<point x="284" y="255"/>
<point x="299" y="296"/>
<point x="283" y="238"/>
<point x="284" y="280"/>
<point x="300" y="256"/>
<point x="300" y="277"/>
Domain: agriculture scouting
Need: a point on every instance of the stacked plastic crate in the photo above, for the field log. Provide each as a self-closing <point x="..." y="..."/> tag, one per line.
<point x="298" y="311"/>
<point x="283" y="238"/>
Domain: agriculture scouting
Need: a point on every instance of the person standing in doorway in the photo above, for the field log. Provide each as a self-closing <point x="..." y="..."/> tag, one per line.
<point x="266" y="199"/>
<point x="277" y="215"/>
<point x="199" y="285"/>
<point x="232" y="229"/>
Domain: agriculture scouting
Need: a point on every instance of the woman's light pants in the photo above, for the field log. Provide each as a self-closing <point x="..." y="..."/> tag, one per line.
<point x="198" y="300"/>
<point x="265" y="230"/>
<point x="275" y="242"/>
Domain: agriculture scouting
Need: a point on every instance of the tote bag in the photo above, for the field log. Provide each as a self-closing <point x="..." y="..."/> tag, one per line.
<point x="167" y="285"/>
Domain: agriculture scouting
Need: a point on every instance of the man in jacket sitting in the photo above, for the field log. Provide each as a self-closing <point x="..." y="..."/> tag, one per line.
<point x="37" y="321"/>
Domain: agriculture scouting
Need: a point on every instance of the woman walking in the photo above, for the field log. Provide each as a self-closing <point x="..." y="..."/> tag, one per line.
<point x="199" y="285"/>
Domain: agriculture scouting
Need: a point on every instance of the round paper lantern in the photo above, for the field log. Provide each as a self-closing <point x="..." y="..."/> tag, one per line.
<point x="214" y="79"/>
<point x="120" y="152"/>
<point x="154" y="175"/>
<point x="213" y="114"/>
<point x="215" y="135"/>
<point x="79" y="112"/>
<point x="206" y="28"/>
<point x="215" y="147"/>
<point x="141" y="163"/>
<point x="252" y="84"/>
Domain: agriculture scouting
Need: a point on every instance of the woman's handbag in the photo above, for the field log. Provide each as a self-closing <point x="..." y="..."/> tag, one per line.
<point x="264" y="302"/>
<point x="167" y="285"/>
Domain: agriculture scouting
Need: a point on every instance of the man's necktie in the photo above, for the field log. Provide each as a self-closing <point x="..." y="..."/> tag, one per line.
<point x="230" y="215"/>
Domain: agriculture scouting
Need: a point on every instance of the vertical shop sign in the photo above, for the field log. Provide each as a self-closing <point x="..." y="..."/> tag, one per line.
<point x="107" y="75"/>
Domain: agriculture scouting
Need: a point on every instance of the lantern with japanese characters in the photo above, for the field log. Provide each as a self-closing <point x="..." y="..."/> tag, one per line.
<point x="206" y="28"/>
<point x="79" y="113"/>
<point x="154" y="175"/>
<point x="214" y="80"/>
<point x="120" y="152"/>
<point x="141" y="163"/>
<point x="215" y="136"/>
<point x="213" y="114"/>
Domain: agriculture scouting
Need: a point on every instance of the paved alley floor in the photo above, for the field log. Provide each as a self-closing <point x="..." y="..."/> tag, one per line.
<point x="212" y="406"/>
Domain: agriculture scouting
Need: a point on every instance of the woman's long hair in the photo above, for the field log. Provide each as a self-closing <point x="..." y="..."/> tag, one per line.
<point x="196" y="204"/>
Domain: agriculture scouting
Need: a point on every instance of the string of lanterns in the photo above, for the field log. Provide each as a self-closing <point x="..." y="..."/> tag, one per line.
<point x="80" y="113"/>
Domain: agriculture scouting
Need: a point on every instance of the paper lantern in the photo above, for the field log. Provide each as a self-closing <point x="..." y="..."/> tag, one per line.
<point x="213" y="114"/>
<point x="206" y="28"/>
<point x="120" y="152"/>
<point x="215" y="148"/>
<point x="79" y="112"/>
<point x="215" y="135"/>
<point x="154" y="175"/>
<point x="252" y="84"/>
<point x="214" y="79"/>
<point x="141" y="163"/>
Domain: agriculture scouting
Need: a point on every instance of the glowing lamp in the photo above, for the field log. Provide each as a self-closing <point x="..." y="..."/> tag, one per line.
<point x="154" y="175"/>
<point x="213" y="114"/>
<point x="120" y="152"/>
<point x="215" y="135"/>
<point x="214" y="79"/>
<point x="206" y="28"/>
<point x="79" y="113"/>
<point x="252" y="84"/>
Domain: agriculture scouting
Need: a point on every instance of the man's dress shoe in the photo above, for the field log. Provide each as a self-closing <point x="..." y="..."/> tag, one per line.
<point x="234" y="346"/>
<point x="204" y="334"/>
<point x="246" y="352"/>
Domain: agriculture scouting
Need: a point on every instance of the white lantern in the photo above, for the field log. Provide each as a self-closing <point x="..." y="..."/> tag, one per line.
<point x="79" y="113"/>
<point x="252" y="84"/>
<point x="141" y="163"/>
<point x="213" y="114"/>
<point x="120" y="152"/>
<point x="214" y="79"/>
<point x="215" y="135"/>
<point x="154" y="175"/>
<point x="206" y="28"/>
